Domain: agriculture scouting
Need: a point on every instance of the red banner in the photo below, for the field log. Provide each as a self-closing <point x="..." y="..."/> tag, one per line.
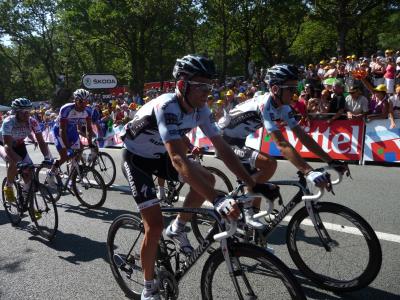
<point x="340" y="139"/>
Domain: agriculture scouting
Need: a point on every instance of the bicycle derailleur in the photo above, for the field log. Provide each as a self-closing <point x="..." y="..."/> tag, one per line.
<point x="167" y="284"/>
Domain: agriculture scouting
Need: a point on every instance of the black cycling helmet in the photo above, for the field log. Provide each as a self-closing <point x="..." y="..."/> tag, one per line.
<point x="21" y="103"/>
<point x="280" y="73"/>
<point x="192" y="65"/>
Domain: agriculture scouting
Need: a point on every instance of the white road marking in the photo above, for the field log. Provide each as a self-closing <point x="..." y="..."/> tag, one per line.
<point x="350" y="230"/>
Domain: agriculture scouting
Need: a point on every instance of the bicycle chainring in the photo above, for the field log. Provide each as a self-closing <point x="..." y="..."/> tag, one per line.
<point x="167" y="284"/>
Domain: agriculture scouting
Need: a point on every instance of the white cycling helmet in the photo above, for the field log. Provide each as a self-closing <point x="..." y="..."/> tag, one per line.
<point x="81" y="94"/>
<point x="21" y="103"/>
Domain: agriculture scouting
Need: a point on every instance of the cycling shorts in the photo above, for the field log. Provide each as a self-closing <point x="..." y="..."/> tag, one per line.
<point x="19" y="149"/>
<point x="138" y="171"/>
<point x="72" y="137"/>
<point x="246" y="155"/>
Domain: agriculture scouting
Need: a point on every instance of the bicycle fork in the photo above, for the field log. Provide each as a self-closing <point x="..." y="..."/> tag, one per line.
<point x="234" y="270"/>
<point x="319" y="226"/>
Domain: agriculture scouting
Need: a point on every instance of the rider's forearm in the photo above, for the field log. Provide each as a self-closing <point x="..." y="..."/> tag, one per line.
<point x="43" y="146"/>
<point x="312" y="145"/>
<point x="293" y="156"/>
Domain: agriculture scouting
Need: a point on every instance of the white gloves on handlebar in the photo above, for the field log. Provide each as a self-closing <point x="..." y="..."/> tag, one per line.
<point x="223" y="205"/>
<point x="318" y="178"/>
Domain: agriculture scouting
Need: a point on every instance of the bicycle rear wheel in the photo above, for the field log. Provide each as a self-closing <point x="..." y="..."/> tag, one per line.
<point x="13" y="210"/>
<point x="124" y="241"/>
<point x="88" y="187"/>
<point x="105" y="165"/>
<point x="256" y="274"/>
<point x="354" y="258"/>
<point x="43" y="212"/>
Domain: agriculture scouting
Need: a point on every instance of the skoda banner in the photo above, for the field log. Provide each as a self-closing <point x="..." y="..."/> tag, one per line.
<point x="99" y="81"/>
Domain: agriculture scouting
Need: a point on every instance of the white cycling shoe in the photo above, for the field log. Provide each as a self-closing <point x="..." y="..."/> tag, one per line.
<point x="248" y="215"/>
<point x="180" y="239"/>
<point x="154" y="296"/>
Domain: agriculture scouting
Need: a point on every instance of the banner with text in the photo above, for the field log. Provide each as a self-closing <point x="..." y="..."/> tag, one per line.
<point x="381" y="143"/>
<point x="341" y="139"/>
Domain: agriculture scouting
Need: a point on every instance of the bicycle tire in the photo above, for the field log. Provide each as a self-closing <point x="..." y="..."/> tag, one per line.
<point x="86" y="182"/>
<point x="122" y="264"/>
<point x="366" y="234"/>
<point x="203" y="219"/>
<point x="56" y="193"/>
<point x="287" y="288"/>
<point x="13" y="210"/>
<point x="102" y="167"/>
<point x="43" y="212"/>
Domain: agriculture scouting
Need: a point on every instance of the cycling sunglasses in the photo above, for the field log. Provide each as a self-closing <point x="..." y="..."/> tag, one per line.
<point x="201" y="86"/>
<point x="290" y="88"/>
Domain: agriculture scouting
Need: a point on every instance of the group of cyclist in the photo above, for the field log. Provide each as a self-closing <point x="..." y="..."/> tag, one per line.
<point x="155" y="143"/>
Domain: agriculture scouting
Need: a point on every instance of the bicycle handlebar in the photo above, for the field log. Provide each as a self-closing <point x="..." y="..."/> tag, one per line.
<point x="225" y="234"/>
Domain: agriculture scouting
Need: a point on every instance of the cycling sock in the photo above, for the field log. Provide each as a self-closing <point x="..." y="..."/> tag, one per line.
<point x="162" y="191"/>
<point x="178" y="225"/>
<point x="149" y="287"/>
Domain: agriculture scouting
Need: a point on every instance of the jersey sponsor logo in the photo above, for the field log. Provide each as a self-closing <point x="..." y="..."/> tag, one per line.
<point x="246" y="117"/>
<point x="155" y="142"/>
<point x="171" y="119"/>
<point x="179" y="132"/>
<point x="130" y="179"/>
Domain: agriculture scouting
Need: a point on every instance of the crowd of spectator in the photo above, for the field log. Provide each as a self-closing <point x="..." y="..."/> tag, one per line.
<point x="336" y="88"/>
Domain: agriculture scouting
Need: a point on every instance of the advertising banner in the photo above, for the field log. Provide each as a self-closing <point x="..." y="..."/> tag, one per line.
<point x="99" y="81"/>
<point x="341" y="139"/>
<point x="381" y="143"/>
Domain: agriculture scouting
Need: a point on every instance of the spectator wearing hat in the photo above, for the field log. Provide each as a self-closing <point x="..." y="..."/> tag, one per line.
<point x="229" y="102"/>
<point x="394" y="107"/>
<point x="356" y="104"/>
<point x="338" y="102"/>
<point x="331" y="70"/>
<point x="241" y="98"/>
<point x="132" y="110"/>
<point x="390" y="75"/>
<point x="379" y="105"/>
<point x="378" y="70"/>
<point x="321" y="70"/>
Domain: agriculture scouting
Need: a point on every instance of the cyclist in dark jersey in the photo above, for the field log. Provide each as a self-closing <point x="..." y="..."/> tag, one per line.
<point x="267" y="110"/>
<point x="155" y="143"/>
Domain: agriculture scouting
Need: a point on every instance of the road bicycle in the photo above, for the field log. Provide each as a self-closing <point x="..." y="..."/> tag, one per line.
<point x="317" y="237"/>
<point x="102" y="162"/>
<point x="174" y="188"/>
<point x="235" y="270"/>
<point x="82" y="180"/>
<point x="37" y="200"/>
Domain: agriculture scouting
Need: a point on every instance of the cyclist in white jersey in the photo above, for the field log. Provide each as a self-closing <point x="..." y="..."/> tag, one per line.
<point x="66" y="135"/>
<point x="266" y="110"/>
<point x="155" y="143"/>
<point x="14" y="130"/>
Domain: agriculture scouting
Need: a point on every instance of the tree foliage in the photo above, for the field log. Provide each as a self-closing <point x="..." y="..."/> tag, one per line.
<point x="139" y="40"/>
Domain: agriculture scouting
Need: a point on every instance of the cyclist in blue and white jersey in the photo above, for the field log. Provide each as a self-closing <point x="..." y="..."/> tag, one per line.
<point x="155" y="143"/>
<point x="266" y="110"/>
<point x="66" y="135"/>
<point x="14" y="130"/>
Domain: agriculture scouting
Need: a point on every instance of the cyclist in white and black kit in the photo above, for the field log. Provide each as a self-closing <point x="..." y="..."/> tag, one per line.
<point x="155" y="143"/>
<point x="266" y="110"/>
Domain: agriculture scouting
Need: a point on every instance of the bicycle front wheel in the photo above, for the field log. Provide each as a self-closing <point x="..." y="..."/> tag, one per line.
<point x="13" y="210"/>
<point x="43" y="212"/>
<point x="256" y="274"/>
<point x="354" y="257"/>
<point x="43" y="178"/>
<point x="105" y="165"/>
<point x="88" y="187"/>
<point x="124" y="241"/>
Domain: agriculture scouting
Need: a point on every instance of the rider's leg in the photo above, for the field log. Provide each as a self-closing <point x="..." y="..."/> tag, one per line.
<point x="153" y="227"/>
<point x="161" y="188"/>
<point x="266" y="167"/>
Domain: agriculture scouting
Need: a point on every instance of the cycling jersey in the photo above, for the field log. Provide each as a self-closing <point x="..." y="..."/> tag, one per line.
<point x="252" y="114"/>
<point x="162" y="120"/>
<point x="74" y="119"/>
<point x="19" y="131"/>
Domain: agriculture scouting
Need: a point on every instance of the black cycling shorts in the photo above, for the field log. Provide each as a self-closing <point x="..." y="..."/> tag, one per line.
<point x="138" y="171"/>
<point x="246" y="155"/>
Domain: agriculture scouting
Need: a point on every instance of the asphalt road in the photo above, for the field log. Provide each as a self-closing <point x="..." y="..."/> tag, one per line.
<point x="74" y="265"/>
